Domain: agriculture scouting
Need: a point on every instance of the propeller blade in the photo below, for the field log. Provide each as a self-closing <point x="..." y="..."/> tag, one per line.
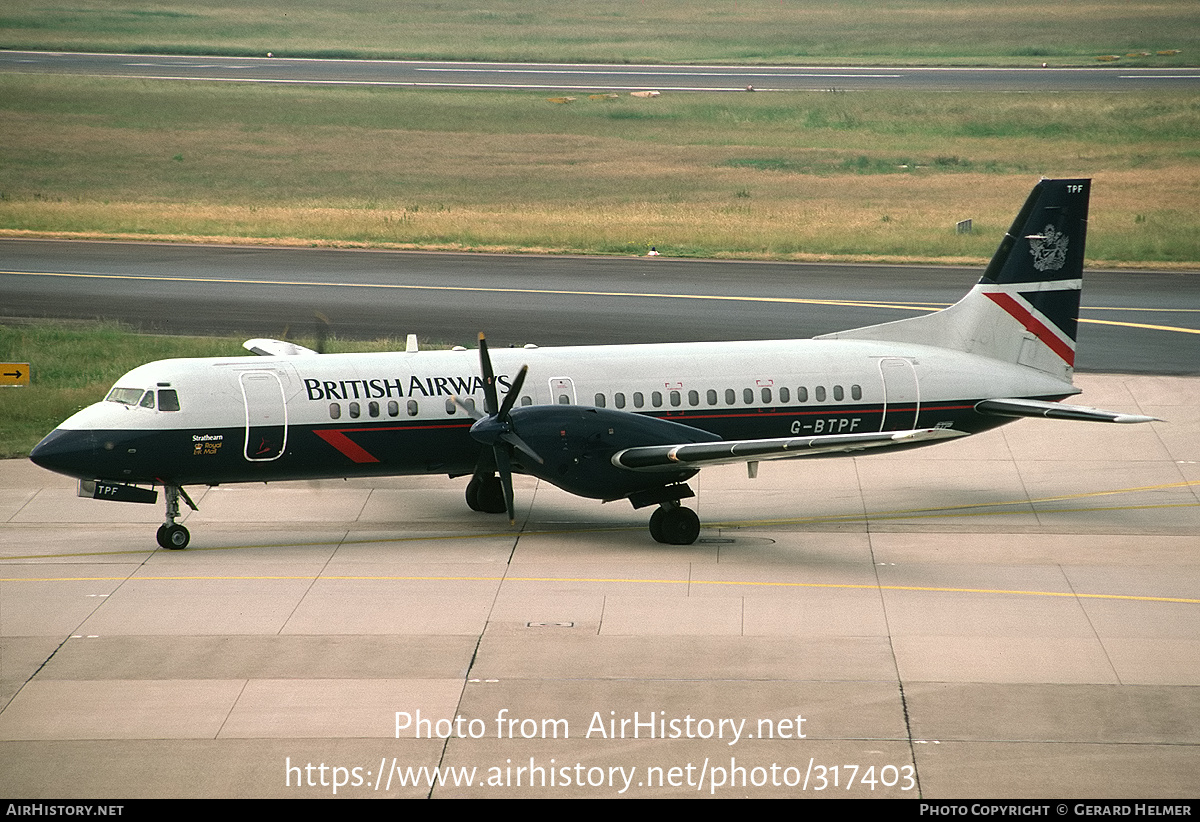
<point x="510" y="398"/>
<point x="512" y="439"/>
<point x="504" y="464"/>
<point x="472" y="412"/>
<point x="489" y="377"/>
<point x="322" y="325"/>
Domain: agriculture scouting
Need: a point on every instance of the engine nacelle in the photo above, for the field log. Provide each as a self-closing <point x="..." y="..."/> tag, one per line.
<point x="577" y="444"/>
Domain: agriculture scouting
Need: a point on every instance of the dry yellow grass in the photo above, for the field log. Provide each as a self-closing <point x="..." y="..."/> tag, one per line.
<point x="845" y="217"/>
<point x="787" y="176"/>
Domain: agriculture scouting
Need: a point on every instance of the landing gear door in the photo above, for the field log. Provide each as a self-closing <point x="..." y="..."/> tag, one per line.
<point x="901" y="394"/>
<point x="266" y="416"/>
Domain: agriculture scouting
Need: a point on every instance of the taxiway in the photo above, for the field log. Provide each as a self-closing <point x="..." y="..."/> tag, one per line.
<point x="1012" y="615"/>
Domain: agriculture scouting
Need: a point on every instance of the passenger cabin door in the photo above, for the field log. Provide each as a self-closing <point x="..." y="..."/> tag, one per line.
<point x="266" y="416"/>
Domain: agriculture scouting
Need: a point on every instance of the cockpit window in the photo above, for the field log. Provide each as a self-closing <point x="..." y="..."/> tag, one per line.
<point x="168" y="398"/>
<point x="125" y="396"/>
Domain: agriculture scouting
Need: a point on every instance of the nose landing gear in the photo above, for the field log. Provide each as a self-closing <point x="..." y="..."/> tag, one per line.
<point x="172" y="535"/>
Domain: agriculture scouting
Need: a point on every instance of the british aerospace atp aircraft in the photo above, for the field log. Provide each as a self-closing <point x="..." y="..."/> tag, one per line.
<point x="631" y="422"/>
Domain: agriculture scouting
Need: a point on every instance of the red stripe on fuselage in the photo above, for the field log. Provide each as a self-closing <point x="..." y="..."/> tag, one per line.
<point x="338" y="439"/>
<point x="347" y="446"/>
<point x="1035" y="326"/>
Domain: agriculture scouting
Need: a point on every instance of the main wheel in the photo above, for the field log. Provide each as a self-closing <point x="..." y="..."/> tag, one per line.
<point x="473" y="494"/>
<point x="173" y="537"/>
<point x="656" y="520"/>
<point x="675" y="525"/>
<point x="486" y="495"/>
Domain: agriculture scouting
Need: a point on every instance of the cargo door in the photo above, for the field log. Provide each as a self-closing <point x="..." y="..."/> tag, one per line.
<point x="901" y="394"/>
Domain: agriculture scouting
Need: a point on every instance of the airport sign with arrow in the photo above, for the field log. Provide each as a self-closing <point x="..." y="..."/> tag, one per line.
<point x="14" y="373"/>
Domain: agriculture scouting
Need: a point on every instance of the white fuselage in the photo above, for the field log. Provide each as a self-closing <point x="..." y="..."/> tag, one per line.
<point x="352" y="402"/>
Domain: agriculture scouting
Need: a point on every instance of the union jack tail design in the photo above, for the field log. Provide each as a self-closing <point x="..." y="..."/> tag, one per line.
<point x="1025" y="309"/>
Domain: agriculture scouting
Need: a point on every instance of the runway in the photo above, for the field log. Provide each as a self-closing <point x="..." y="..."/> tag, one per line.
<point x="1132" y="322"/>
<point x="1015" y="615"/>
<point x="597" y="78"/>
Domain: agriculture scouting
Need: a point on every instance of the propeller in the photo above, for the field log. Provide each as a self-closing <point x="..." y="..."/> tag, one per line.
<point x="495" y="429"/>
<point x="322" y="327"/>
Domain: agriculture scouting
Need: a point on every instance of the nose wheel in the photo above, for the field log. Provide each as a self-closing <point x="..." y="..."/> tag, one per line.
<point x="173" y="537"/>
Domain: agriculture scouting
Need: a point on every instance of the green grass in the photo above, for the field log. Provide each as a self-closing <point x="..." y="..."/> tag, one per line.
<point x="788" y="175"/>
<point x="636" y="31"/>
<point x="74" y="365"/>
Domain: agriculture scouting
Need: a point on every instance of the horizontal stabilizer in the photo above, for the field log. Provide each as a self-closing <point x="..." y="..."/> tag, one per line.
<point x="1055" y="411"/>
<point x="276" y="348"/>
<point x="700" y="454"/>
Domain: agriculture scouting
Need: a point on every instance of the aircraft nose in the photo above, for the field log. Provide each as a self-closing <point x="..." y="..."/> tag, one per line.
<point x="66" y="452"/>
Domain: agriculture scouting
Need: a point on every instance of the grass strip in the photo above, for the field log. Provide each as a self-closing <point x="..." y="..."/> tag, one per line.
<point x="971" y="32"/>
<point x="864" y="176"/>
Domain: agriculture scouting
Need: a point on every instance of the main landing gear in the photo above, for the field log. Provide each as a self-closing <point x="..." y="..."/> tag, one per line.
<point x="486" y="495"/>
<point x="670" y="524"/>
<point x="172" y="535"/>
<point x="673" y="524"/>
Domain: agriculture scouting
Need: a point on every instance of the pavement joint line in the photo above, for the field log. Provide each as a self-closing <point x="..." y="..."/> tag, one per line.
<point x="738" y="524"/>
<point x="624" y="581"/>
<point x="964" y="510"/>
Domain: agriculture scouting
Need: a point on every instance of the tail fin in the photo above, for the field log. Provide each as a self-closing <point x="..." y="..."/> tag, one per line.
<point x="1025" y="309"/>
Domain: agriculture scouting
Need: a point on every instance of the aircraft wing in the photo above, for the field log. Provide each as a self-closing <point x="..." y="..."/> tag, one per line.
<point x="1055" y="411"/>
<point x="701" y="454"/>
<point x="276" y="348"/>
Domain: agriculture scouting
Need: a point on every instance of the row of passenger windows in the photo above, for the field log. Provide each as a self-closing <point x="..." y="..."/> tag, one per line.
<point x="711" y="397"/>
<point x="392" y="408"/>
<point x="637" y="399"/>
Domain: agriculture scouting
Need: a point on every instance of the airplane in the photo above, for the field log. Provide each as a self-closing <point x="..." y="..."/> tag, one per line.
<point x="632" y="422"/>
